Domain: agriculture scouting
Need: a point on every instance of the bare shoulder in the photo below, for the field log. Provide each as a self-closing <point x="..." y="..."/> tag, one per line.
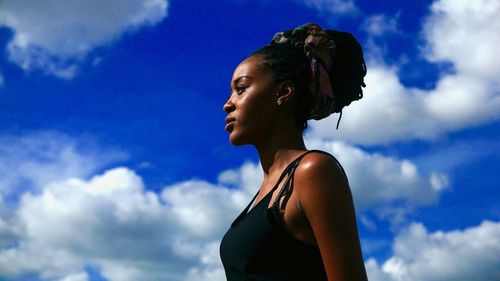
<point x="320" y="180"/>
<point x="320" y="166"/>
<point x="325" y="200"/>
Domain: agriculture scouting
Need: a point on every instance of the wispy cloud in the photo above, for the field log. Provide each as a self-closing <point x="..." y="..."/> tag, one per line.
<point x="29" y="161"/>
<point x="380" y="25"/>
<point x="337" y="7"/>
<point x="54" y="37"/>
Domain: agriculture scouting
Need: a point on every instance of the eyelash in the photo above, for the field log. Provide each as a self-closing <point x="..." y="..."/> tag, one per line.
<point x="239" y="89"/>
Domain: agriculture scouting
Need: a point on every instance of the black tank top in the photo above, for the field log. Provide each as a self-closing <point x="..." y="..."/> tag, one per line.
<point x="259" y="247"/>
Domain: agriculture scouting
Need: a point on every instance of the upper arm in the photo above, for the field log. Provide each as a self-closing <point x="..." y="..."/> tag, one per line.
<point x="326" y="201"/>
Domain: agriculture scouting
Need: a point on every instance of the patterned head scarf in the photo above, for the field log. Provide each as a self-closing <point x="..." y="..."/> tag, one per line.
<point x="320" y="48"/>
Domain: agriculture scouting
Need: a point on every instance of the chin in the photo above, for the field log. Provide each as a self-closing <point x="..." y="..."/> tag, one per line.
<point x="237" y="139"/>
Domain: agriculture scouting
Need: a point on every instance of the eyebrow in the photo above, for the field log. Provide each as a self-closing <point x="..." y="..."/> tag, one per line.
<point x="238" y="79"/>
<point x="241" y="77"/>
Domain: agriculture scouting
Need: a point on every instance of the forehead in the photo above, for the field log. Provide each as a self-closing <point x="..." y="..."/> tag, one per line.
<point x="251" y="66"/>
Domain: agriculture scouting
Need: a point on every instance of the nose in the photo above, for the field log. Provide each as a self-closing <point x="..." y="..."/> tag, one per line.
<point x="228" y="106"/>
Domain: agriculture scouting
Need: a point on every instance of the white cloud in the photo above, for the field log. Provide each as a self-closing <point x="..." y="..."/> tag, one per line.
<point x="111" y="221"/>
<point x="197" y="203"/>
<point x="9" y="230"/>
<point x="465" y="33"/>
<point x="248" y="177"/>
<point x="63" y="222"/>
<point x="332" y="6"/>
<point x="54" y="36"/>
<point x="81" y="276"/>
<point x="374" y="272"/>
<point x="390" y="112"/>
<point x="379" y="25"/>
<point x="210" y="268"/>
<point x="459" y="255"/>
<point x="32" y="160"/>
<point x="387" y="186"/>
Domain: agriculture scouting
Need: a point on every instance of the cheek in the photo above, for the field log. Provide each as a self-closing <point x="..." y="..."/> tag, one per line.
<point x="254" y="120"/>
<point x="258" y="112"/>
<point x="258" y="120"/>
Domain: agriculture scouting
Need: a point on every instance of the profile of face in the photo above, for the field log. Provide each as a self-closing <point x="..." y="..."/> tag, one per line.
<point x="252" y="107"/>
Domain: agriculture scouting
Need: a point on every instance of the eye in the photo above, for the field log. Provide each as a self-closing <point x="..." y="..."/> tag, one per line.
<point x="240" y="89"/>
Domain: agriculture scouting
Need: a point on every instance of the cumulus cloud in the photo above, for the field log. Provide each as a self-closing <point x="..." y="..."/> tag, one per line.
<point x="247" y="177"/>
<point x="8" y="228"/>
<point x="30" y="161"/>
<point x="459" y="255"/>
<point x="197" y="205"/>
<point x="464" y="33"/>
<point x="111" y="220"/>
<point x="376" y="180"/>
<point x="390" y="112"/>
<point x="69" y="217"/>
<point x="387" y="186"/>
<point x="54" y="36"/>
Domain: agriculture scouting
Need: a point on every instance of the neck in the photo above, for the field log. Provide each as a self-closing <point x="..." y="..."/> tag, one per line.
<point x="278" y="150"/>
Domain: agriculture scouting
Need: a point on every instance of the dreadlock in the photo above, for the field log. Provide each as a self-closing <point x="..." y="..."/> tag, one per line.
<point x="288" y="61"/>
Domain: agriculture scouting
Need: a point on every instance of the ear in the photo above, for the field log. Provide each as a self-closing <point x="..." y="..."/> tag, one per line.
<point x="286" y="92"/>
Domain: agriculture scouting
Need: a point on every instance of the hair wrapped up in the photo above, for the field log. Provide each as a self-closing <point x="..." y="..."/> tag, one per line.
<point x="326" y="66"/>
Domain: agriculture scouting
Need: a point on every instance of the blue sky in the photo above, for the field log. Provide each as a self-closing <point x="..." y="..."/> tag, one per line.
<point x="115" y="164"/>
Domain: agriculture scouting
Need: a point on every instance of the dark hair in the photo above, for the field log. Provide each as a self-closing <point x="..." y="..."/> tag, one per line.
<point x="288" y="61"/>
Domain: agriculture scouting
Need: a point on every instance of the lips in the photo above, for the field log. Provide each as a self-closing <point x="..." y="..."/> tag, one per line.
<point x="229" y="123"/>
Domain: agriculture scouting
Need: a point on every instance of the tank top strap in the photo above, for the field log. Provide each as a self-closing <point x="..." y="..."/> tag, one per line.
<point x="287" y="171"/>
<point x="287" y="187"/>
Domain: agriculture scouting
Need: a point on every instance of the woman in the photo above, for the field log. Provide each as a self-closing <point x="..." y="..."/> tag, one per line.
<point x="301" y="224"/>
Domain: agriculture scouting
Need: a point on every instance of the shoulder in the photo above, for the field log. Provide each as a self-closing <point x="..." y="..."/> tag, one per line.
<point x="319" y="179"/>
<point x="325" y="201"/>
<point x="319" y="165"/>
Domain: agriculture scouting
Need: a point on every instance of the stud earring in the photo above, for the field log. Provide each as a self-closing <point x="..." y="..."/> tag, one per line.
<point x="279" y="102"/>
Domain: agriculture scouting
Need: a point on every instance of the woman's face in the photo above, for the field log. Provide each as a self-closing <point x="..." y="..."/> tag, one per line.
<point x="252" y="105"/>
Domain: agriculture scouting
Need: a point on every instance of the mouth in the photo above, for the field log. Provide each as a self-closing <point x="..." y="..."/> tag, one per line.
<point x="229" y="123"/>
<point x="229" y="126"/>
